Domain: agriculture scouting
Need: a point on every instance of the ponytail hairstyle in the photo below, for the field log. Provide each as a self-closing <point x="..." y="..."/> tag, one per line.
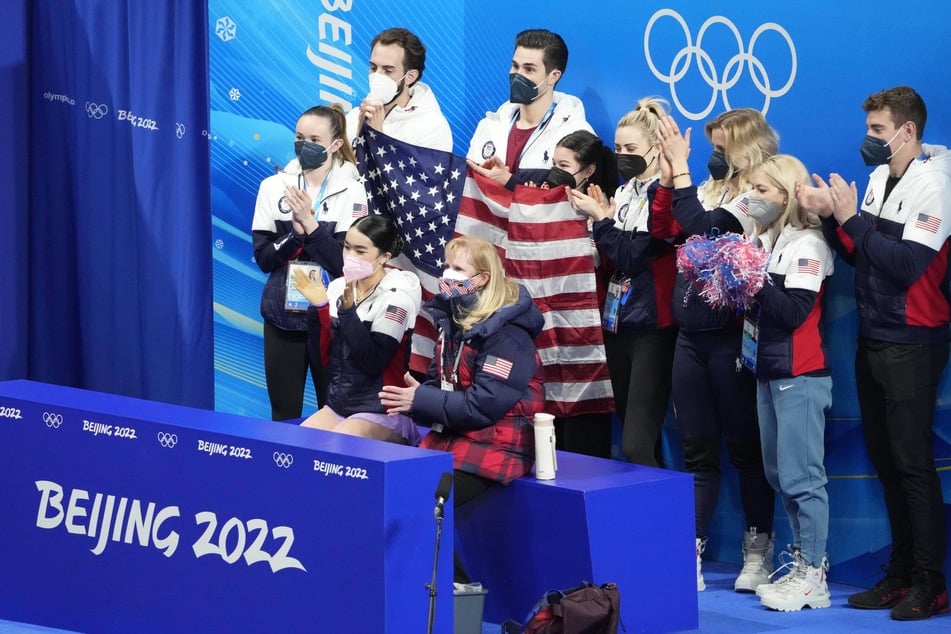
<point x="338" y="128"/>
<point x="588" y="149"/>
<point x="647" y="115"/>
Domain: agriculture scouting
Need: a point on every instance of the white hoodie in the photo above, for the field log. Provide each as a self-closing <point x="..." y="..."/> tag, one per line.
<point x="420" y="123"/>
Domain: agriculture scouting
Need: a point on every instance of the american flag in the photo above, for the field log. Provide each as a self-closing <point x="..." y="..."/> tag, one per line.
<point x="395" y="313"/>
<point x="808" y="266"/>
<point x="420" y="189"/>
<point x="544" y="244"/>
<point x="359" y="210"/>
<point x="546" y="247"/>
<point x="743" y="204"/>
<point x="931" y="224"/>
<point x="497" y="366"/>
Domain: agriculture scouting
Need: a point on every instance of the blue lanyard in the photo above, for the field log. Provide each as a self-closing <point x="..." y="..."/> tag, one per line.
<point x="320" y="193"/>
<point x="536" y="131"/>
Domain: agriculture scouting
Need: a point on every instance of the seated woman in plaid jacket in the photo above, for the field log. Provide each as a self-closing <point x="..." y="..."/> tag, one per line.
<point x="485" y="381"/>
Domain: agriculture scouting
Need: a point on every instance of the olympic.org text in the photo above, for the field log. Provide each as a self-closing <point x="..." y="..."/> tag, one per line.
<point x="114" y="519"/>
<point x="49" y="96"/>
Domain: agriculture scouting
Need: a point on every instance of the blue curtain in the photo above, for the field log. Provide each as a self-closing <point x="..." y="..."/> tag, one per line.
<point x="14" y="118"/>
<point x="119" y="225"/>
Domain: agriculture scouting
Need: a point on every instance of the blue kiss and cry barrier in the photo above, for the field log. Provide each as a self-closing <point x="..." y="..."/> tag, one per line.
<point x="126" y="515"/>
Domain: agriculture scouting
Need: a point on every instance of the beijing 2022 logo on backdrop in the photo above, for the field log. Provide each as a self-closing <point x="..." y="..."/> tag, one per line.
<point x="720" y="81"/>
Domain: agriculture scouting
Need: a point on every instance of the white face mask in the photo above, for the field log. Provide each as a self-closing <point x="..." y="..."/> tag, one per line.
<point x="382" y="88"/>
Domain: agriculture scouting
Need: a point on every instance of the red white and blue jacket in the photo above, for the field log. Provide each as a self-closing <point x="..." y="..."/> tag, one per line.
<point x="899" y="247"/>
<point x="629" y="245"/>
<point x="486" y="421"/>
<point x="276" y="243"/>
<point x="365" y="346"/>
<point x="790" y="308"/>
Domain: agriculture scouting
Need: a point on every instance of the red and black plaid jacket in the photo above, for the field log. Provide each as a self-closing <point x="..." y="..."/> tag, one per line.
<point x="486" y="420"/>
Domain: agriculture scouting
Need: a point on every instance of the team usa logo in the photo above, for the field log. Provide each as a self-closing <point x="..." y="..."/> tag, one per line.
<point x="488" y="150"/>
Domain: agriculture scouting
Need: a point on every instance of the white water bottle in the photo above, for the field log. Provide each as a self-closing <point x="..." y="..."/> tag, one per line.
<point x="546" y="462"/>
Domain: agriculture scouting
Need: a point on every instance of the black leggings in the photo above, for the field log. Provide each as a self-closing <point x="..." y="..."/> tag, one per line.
<point x="588" y="434"/>
<point x="286" y="361"/>
<point x="468" y="487"/>
<point x="641" y="364"/>
<point x="714" y="399"/>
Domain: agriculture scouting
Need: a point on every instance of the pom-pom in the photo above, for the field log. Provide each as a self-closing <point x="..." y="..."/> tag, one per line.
<point x="726" y="270"/>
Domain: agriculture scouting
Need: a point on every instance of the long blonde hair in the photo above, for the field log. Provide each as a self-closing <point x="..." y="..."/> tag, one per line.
<point x="749" y="140"/>
<point x="498" y="292"/>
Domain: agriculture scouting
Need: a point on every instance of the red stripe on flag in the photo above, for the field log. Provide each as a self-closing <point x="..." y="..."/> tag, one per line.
<point x="546" y="269"/>
<point x="556" y="337"/>
<point x="563" y="409"/>
<point x="548" y="231"/>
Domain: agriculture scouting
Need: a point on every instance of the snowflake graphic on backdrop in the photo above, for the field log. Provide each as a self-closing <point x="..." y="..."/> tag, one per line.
<point x="235" y="94"/>
<point x="226" y="29"/>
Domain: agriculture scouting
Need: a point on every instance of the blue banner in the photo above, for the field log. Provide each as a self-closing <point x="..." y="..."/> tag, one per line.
<point x="808" y="76"/>
<point x="118" y="231"/>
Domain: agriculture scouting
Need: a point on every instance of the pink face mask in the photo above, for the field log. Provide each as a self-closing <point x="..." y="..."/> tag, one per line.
<point x="355" y="269"/>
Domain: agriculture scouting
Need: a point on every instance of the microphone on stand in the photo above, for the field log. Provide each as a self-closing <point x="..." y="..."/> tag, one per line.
<point x="442" y="494"/>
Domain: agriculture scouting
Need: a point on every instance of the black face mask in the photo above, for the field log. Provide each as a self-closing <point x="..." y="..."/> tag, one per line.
<point x="557" y="176"/>
<point x="630" y="165"/>
<point x="718" y="166"/>
<point x="521" y="89"/>
<point x="310" y="155"/>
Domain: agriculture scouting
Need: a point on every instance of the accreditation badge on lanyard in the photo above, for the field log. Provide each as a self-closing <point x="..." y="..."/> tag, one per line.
<point x="447" y="382"/>
<point x="750" y="342"/>
<point x="619" y="289"/>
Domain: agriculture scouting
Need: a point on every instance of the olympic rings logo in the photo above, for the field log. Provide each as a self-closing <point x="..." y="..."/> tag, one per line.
<point x="283" y="460"/>
<point x="52" y="419"/>
<point x="167" y="440"/>
<point x="96" y="110"/>
<point x="731" y="72"/>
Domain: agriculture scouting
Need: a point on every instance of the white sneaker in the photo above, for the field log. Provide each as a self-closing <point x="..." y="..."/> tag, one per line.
<point x="789" y="559"/>
<point x="701" y="544"/>
<point x="806" y="588"/>
<point x="757" y="561"/>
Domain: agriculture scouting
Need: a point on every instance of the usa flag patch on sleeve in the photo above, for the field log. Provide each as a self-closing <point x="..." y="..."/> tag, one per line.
<point x="395" y="313"/>
<point x="497" y="366"/>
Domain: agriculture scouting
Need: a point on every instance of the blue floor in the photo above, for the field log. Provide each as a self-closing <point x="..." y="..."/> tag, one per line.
<point x="723" y="610"/>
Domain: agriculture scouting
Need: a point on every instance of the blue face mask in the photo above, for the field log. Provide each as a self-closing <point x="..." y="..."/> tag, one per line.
<point x="718" y="166"/>
<point x="521" y="89"/>
<point x="310" y="155"/>
<point x="876" y="152"/>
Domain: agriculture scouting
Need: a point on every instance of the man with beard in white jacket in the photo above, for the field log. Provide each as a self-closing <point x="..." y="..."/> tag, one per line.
<point x="399" y="104"/>
<point x="514" y="145"/>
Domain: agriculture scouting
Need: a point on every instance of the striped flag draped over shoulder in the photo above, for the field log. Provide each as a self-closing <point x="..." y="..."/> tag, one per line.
<point x="420" y="189"/>
<point x="544" y="244"/>
<point x="547" y="248"/>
